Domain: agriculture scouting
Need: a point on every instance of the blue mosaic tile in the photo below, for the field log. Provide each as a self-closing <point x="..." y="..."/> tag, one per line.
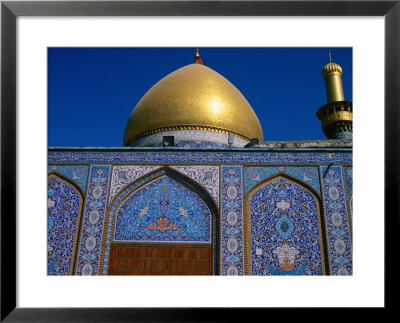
<point x="337" y="224"/>
<point x="223" y="157"/>
<point x="163" y="211"/>
<point x="77" y="173"/>
<point x="232" y="221"/>
<point x="193" y="144"/>
<point x="63" y="213"/>
<point x="236" y="172"/>
<point x="348" y="180"/>
<point x="308" y="175"/>
<point x="283" y="230"/>
<point x="93" y="221"/>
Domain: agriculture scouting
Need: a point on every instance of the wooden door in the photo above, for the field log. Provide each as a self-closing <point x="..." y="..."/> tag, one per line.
<point x="160" y="259"/>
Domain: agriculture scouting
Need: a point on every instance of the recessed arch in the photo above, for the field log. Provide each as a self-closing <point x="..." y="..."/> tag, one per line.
<point x="68" y="215"/>
<point x="274" y="226"/>
<point x="143" y="182"/>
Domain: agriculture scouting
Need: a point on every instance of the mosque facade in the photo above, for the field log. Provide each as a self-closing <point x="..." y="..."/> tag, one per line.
<point x="196" y="191"/>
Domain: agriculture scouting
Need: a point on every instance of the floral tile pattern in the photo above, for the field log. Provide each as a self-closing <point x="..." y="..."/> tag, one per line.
<point x="207" y="176"/>
<point x="126" y="174"/>
<point x="306" y="174"/>
<point x="232" y="221"/>
<point x="337" y="224"/>
<point x="77" y="173"/>
<point x="348" y="183"/>
<point x="283" y="232"/>
<point x="63" y="213"/>
<point x="163" y="211"/>
<point x="93" y="221"/>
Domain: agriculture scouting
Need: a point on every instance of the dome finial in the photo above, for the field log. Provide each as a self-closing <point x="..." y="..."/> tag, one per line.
<point x="197" y="58"/>
<point x="330" y="57"/>
<point x="196" y="55"/>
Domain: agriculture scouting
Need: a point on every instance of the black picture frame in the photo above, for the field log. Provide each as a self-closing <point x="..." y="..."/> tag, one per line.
<point x="10" y="10"/>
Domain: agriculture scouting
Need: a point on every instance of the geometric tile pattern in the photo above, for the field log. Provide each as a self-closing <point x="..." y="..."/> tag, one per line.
<point x="164" y="210"/>
<point x="337" y="224"/>
<point x="283" y="230"/>
<point x="307" y="174"/>
<point x="183" y="156"/>
<point x="93" y="221"/>
<point x="123" y="175"/>
<point x="199" y="144"/>
<point x="207" y="176"/>
<point x="190" y="139"/>
<point x="231" y="221"/>
<point x="64" y="209"/>
<point x="77" y="173"/>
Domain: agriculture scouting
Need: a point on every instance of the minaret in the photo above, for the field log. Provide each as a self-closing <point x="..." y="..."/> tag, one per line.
<point x="337" y="115"/>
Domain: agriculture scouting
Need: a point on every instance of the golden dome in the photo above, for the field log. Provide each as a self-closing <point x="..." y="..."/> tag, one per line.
<point x="193" y="97"/>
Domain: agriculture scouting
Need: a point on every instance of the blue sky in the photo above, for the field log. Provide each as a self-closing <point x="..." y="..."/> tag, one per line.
<point x="92" y="91"/>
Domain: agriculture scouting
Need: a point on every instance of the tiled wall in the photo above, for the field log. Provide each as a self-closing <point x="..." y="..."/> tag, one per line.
<point x="283" y="218"/>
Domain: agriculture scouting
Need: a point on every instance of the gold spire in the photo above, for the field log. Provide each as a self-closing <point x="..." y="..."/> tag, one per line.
<point x="196" y="55"/>
<point x="197" y="58"/>
<point x="330" y="57"/>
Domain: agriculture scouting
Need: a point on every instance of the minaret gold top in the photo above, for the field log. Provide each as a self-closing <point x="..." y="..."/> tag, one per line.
<point x="332" y="74"/>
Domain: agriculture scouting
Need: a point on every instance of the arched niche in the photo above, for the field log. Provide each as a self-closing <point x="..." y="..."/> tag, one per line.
<point x="64" y="212"/>
<point x="284" y="232"/>
<point x="161" y="215"/>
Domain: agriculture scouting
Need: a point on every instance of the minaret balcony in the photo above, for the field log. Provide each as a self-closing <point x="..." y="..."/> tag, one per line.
<point x="334" y="112"/>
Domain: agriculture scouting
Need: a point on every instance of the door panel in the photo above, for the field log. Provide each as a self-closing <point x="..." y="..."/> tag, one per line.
<point x="165" y="259"/>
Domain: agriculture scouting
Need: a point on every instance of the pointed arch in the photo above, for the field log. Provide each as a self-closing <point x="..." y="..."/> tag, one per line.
<point x="289" y="178"/>
<point x="140" y="183"/>
<point x="68" y="180"/>
<point x="175" y="174"/>
<point x="215" y="200"/>
<point x="271" y="227"/>
<point x="74" y="234"/>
